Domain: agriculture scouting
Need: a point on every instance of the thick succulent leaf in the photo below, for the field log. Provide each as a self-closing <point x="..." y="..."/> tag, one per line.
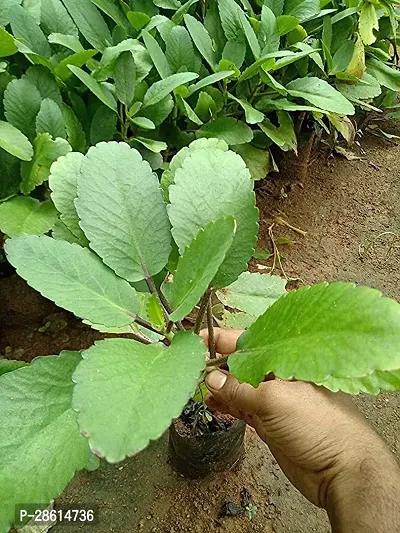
<point x="73" y="277"/>
<point x="138" y="390"/>
<point x="90" y="22"/>
<point x="168" y="176"/>
<point x="198" y="266"/>
<point x="50" y="119"/>
<point x="257" y="160"/>
<point x="315" y="333"/>
<point x="122" y="211"/>
<point x="46" y="151"/>
<point x="103" y="94"/>
<point x="45" y="83"/>
<point x="227" y="129"/>
<point x="24" y="27"/>
<point x="15" y="142"/>
<point x="373" y="384"/>
<point x="160" y="89"/>
<point x="140" y="54"/>
<point x="21" y="105"/>
<point x="54" y="18"/>
<point x="202" y="40"/>
<point x="253" y="293"/>
<point x="63" y="183"/>
<point x="9" y="365"/>
<point x="211" y="184"/>
<point x="39" y="433"/>
<point x="5" y="10"/>
<point x="25" y="215"/>
<point x="321" y="94"/>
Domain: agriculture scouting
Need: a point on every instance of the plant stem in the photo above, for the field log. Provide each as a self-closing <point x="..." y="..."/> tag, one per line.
<point x="220" y="362"/>
<point x="163" y="301"/>
<point x="210" y="325"/>
<point x="139" y="338"/>
<point x="148" y="326"/>
<point x="201" y="312"/>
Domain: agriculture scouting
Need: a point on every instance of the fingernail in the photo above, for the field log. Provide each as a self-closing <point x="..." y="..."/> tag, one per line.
<point x="216" y="380"/>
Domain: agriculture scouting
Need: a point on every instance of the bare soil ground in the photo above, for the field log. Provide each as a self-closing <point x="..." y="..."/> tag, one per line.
<point x="351" y="212"/>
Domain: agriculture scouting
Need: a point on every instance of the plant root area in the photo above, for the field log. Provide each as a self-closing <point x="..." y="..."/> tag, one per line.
<point x="351" y="213"/>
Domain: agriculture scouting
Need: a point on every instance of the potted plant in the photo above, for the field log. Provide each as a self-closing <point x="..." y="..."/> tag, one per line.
<point x="139" y="260"/>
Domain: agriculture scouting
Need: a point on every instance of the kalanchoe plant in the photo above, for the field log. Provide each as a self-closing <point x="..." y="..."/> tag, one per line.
<point x="263" y="76"/>
<point x="140" y="264"/>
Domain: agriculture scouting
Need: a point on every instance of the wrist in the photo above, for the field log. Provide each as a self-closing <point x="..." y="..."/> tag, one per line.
<point x="364" y="494"/>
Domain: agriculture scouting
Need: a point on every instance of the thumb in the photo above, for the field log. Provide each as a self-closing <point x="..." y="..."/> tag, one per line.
<point x="237" y="399"/>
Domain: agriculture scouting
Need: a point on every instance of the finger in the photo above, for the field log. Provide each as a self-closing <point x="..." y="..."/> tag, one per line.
<point x="239" y="398"/>
<point x="225" y="339"/>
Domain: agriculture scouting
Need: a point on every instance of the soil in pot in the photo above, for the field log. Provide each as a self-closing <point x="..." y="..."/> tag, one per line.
<point x="202" y="443"/>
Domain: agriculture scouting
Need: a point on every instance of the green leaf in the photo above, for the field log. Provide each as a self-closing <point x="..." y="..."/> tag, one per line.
<point x="286" y="23"/>
<point x="284" y="135"/>
<point x="60" y="271"/>
<point x="125" y="78"/>
<point x="21" y="105"/>
<point x="143" y="122"/>
<point x="325" y="331"/>
<point x="50" y="119"/>
<point x="24" y="27"/>
<point x="157" y="55"/>
<point x="116" y="372"/>
<point x="368" y="23"/>
<point x="159" y="90"/>
<point x="24" y="215"/>
<point x="155" y="312"/>
<point x="61" y="232"/>
<point x="159" y="112"/>
<point x="198" y="266"/>
<point x="71" y="42"/>
<point x="386" y="75"/>
<point x="250" y="35"/>
<point x="221" y="186"/>
<point x="227" y="129"/>
<point x="320" y="94"/>
<point x="257" y="161"/>
<point x="137" y="19"/>
<point x="140" y="54"/>
<point x="46" y="151"/>
<point x="167" y="4"/>
<point x="129" y="226"/>
<point x="45" y="83"/>
<point x="373" y="384"/>
<point x="9" y="174"/>
<point x="75" y="134"/>
<point x="151" y="144"/>
<point x="180" y="53"/>
<point x="95" y="87"/>
<point x="252" y="115"/>
<point x="302" y="9"/>
<point x="54" y="18"/>
<point x="63" y="183"/>
<point x="90" y="23"/>
<point x="7" y="45"/>
<point x="78" y="60"/>
<point x="253" y="293"/>
<point x="9" y="365"/>
<point x="15" y="142"/>
<point x="202" y="40"/>
<point x="103" y="126"/>
<point x="5" y="6"/>
<point x="40" y="431"/>
<point x="368" y="88"/>
<point x="230" y="21"/>
<point x="188" y="111"/>
<point x="113" y="11"/>
<point x="356" y="67"/>
<point x="210" y="80"/>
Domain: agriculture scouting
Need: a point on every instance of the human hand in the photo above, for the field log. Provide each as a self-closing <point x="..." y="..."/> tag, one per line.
<point x="319" y="438"/>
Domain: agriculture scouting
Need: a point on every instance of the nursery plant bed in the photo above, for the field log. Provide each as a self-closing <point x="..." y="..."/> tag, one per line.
<point x="343" y="205"/>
